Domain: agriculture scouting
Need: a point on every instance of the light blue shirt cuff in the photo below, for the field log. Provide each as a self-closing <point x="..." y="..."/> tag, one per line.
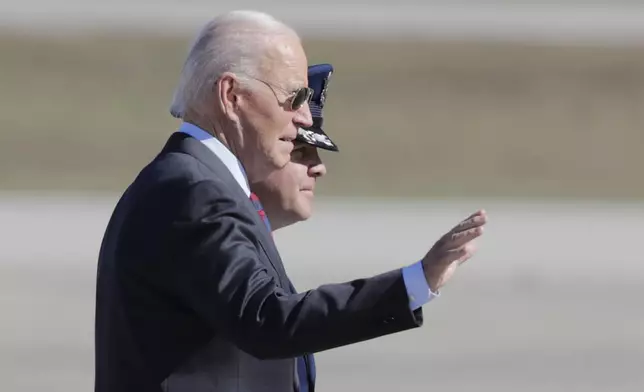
<point x="418" y="290"/>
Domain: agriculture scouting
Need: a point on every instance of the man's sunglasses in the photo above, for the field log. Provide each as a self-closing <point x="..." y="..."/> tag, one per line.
<point x="294" y="99"/>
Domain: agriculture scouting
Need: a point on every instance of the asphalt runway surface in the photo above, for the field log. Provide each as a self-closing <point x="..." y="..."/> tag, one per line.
<point x="613" y="22"/>
<point x="552" y="301"/>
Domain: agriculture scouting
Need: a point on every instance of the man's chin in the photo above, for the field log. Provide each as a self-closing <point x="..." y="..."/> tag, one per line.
<point x="280" y="161"/>
<point x="305" y="210"/>
<point x="284" y="150"/>
<point x="263" y="170"/>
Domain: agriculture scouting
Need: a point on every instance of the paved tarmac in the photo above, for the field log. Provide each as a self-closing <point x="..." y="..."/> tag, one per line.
<point x="609" y="22"/>
<point x="552" y="301"/>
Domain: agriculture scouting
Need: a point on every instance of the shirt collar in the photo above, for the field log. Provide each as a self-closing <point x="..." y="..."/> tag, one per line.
<point x="222" y="152"/>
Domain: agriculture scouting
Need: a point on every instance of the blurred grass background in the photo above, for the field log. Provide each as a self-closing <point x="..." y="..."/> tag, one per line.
<point x="412" y="118"/>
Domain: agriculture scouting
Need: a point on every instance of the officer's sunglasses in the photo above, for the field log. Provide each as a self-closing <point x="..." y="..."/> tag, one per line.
<point x="294" y="99"/>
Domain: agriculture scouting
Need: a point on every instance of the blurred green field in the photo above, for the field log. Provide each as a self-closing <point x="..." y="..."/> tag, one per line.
<point x="413" y="119"/>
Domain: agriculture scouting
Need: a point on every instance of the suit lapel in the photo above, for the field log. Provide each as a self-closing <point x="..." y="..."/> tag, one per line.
<point x="181" y="142"/>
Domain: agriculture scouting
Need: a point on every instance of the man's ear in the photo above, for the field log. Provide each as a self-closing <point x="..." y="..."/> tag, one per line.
<point x="227" y="93"/>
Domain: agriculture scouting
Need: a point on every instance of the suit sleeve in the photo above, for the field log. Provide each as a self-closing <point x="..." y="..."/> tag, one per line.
<point x="221" y="278"/>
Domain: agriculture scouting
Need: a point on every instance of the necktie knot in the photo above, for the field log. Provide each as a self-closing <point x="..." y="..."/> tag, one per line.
<point x="260" y="210"/>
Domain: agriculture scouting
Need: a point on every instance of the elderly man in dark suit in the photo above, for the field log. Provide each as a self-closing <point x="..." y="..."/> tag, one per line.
<point x="187" y="262"/>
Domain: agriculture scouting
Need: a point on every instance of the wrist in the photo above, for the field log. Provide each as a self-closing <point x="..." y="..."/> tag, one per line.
<point x="430" y="277"/>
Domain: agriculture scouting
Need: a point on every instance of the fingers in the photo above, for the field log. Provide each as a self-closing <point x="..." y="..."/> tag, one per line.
<point x="466" y="231"/>
<point x="457" y="244"/>
<point x="454" y="248"/>
<point x="457" y="240"/>
<point x="477" y="219"/>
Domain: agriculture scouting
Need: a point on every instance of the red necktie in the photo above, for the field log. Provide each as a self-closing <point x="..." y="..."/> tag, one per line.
<point x="260" y="210"/>
<point x="301" y="361"/>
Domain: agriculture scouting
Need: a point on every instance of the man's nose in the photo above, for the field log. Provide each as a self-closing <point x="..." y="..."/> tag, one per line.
<point x="303" y="117"/>
<point x="316" y="167"/>
<point x="318" y="170"/>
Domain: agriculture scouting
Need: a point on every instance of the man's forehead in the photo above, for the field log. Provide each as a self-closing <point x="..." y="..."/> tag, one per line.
<point x="295" y="83"/>
<point x="287" y="65"/>
<point x="291" y="76"/>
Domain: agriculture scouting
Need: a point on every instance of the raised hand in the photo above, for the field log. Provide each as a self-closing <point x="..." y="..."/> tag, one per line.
<point x="452" y="249"/>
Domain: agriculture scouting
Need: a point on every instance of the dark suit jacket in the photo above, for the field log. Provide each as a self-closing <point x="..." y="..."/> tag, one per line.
<point x="187" y="270"/>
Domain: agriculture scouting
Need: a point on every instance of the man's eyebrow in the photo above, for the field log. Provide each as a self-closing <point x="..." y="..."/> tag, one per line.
<point x="293" y="87"/>
<point x="287" y="87"/>
<point x="294" y="84"/>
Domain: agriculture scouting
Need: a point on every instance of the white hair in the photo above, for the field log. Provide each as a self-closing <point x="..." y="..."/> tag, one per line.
<point x="233" y="42"/>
